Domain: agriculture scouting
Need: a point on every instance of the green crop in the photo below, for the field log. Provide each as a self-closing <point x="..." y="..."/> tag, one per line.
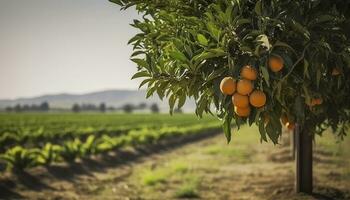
<point x="48" y="154"/>
<point x="18" y="158"/>
<point x="29" y="140"/>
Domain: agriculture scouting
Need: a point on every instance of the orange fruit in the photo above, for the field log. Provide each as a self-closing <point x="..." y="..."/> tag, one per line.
<point x="239" y="100"/>
<point x="244" y="87"/>
<point x="335" y="71"/>
<point x="276" y="63"/>
<point x="318" y="101"/>
<point x="290" y="126"/>
<point x="257" y="98"/>
<point x="228" y="85"/>
<point x="314" y="102"/>
<point x="242" y="112"/>
<point x="248" y="72"/>
<point x="284" y="119"/>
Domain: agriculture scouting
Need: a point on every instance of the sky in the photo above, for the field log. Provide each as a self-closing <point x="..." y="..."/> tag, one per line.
<point x="64" y="46"/>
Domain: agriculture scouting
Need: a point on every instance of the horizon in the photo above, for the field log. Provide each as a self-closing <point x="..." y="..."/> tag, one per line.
<point x="70" y="93"/>
<point x="51" y="47"/>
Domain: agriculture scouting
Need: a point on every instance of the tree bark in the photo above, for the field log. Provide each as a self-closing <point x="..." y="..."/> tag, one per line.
<point x="292" y="145"/>
<point x="303" y="147"/>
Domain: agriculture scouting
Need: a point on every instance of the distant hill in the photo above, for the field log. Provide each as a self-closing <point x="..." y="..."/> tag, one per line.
<point x="115" y="98"/>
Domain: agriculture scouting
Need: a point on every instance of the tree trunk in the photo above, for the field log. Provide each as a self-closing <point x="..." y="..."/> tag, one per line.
<point x="292" y="145"/>
<point x="303" y="145"/>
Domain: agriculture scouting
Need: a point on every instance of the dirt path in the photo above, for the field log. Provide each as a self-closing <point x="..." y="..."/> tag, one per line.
<point x="206" y="169"/>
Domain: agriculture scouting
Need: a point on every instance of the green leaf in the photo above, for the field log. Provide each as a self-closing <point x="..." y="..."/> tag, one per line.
<point x="140" y="62"/>
<point x="266" y="75"/>
<point x="228" y="13"/>
<point x="150" y="91"/>
<point x="135" y="38"/>
<point x="119" y="2"/>
<point x="262" y="130"/>
<point x="214" y="31"/>
<point x="177" y="55"/>
<point x="306" y="69"/>
<point x="272" y="132"/>
<point x="141" y="74"/>
<point x="240" y="22"/>
<point x="182" y="100"/>
<point x="144" y="82"/>
<point x="211" y="53"/>
<point x="283" y="44"/>
<point x="307" y="94"/>
<point x="172" y="101"/>
<point x="258" y="8"/>
<point x="322" y="19"/>
<point x="136" y="53"/>
<point x="202" y="40"/>
<point x="318" y="78"/>
<point x="252" y="116"/>
<point x="227" y="127"/>
<point x="301" y="29"/>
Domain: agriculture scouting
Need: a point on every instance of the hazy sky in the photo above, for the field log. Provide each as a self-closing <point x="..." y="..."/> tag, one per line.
<point x="54" y="46"/>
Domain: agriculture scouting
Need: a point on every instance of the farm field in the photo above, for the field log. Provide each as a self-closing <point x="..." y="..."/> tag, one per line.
<point x="28" y="140"/>
<point x="200" y="168"/>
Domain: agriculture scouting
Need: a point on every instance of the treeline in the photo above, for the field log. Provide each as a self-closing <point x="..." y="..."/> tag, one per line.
<point x="43" y="107"/>
<point x="102" y="107"/>
<point x="89" y="107"/>
<point x="127" y="108"/>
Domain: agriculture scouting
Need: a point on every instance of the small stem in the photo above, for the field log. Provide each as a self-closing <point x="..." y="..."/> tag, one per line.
<point x="296" y="63"/>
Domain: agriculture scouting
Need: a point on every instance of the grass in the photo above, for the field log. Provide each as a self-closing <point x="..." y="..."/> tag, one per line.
<point x="240" y="148"/>
<point x="177" y="171"/>
<point x="151" y="178"/>
<point x="188" y="189"/>
<point x="241" y="155"/>
<point x="179" y="167"/>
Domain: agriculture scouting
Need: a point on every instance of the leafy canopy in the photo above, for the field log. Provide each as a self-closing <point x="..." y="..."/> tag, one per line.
<point x="186" y="47"/>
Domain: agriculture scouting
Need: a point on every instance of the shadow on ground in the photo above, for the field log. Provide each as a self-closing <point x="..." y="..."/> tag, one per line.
<point x="32" y="179"/>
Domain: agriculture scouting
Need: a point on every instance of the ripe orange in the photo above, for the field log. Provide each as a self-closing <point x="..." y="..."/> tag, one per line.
<point x="290" y="126"/>
<point x="248" y="72"/>
<point x="335" y="71"/>
<point x="239" y="100"/>
<point x="276" y="63"/>
<point x="228" y="86"/>
<point x="314" y="102"/>
<point x="318" y="101"/>
<point x="242" y="112"/>
<point x="257" y="98"/>
<point x="244" y="87"/>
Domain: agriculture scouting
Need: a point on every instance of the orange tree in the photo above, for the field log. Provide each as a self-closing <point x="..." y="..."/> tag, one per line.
<point x="255" y="61"/>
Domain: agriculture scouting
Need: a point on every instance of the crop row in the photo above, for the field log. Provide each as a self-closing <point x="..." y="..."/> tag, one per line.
<point x="34" y="130"/>
<point x="19" y="158"/>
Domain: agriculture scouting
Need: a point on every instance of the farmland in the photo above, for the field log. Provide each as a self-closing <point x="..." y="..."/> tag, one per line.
<point x="202" y="169"/>
<point x="28" y="140"/>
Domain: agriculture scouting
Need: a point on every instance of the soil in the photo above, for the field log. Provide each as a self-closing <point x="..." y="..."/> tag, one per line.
<point x="204" y="168"/>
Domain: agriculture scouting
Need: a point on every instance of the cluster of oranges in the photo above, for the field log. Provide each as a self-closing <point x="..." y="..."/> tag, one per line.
<point x="242" y="91"/>
<point x="244" y="95"/>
